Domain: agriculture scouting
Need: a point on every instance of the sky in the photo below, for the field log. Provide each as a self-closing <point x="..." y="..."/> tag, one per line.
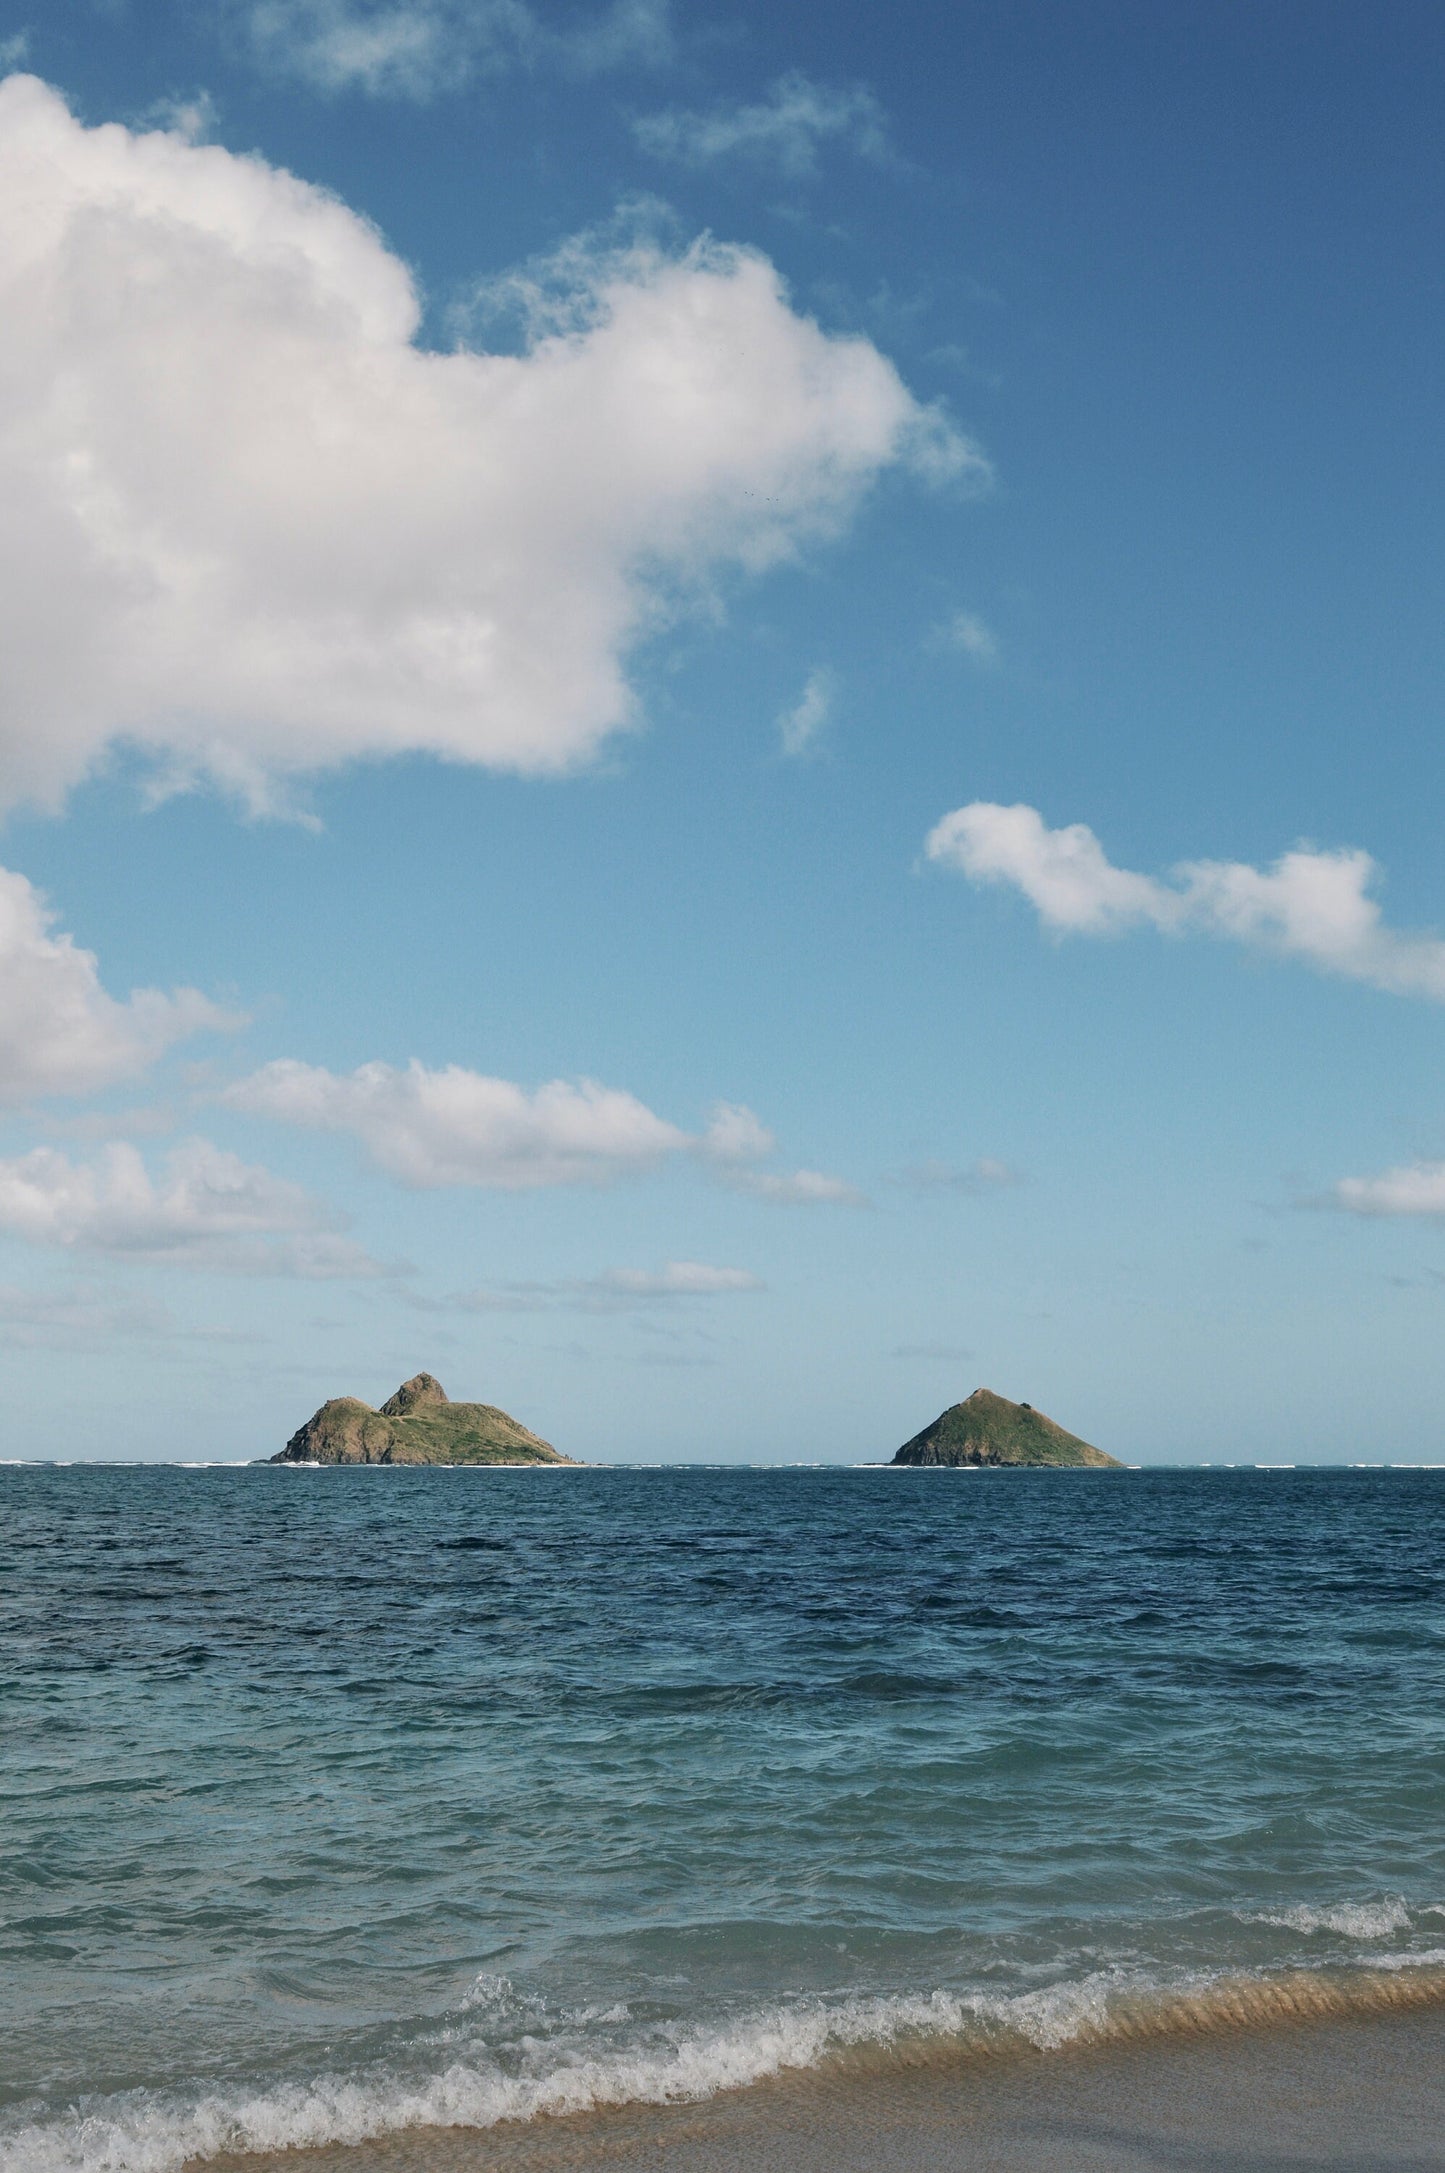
<point x="722" y="720"/>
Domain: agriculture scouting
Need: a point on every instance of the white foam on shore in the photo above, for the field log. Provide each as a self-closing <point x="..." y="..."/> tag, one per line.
<point x="136" y="2132"/>
<point x="1353" y="1919"/>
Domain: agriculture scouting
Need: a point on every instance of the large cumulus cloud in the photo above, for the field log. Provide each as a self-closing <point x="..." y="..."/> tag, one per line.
<point x="250" y="527"/>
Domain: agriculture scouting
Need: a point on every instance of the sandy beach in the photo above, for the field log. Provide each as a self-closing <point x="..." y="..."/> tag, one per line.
<point x="1337" y="2096"/>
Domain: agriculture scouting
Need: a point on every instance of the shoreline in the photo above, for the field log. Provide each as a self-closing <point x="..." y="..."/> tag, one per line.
<point x="1329" y="2094"/>
<point x="945" y="2073"/>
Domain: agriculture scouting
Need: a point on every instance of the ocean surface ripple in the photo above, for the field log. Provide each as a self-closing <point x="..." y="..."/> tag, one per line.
<point x="338" y="1802"/>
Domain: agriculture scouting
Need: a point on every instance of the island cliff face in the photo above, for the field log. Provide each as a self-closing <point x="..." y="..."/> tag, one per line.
<point x="988" y="1429"/>
<point x="418" y="1425"/>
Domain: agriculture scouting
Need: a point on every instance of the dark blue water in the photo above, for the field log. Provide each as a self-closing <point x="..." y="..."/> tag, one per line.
<point x="340" y="1800"/>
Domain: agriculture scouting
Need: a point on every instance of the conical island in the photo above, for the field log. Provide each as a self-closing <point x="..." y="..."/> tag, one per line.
<point x="988" y="1429"/>
<point x="418" y="1425"/>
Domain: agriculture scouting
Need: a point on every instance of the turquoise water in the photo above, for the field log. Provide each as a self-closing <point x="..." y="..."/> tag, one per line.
<point x="341" y="1801"/>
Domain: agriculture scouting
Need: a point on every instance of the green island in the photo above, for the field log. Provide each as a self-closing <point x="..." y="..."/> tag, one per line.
<point x="418" y="1425"/>
<point x="988" y="1429"/>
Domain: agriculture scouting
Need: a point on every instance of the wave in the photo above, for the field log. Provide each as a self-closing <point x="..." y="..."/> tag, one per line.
<point x="139" y="2133"/>
<point x="1354" y="1919"/>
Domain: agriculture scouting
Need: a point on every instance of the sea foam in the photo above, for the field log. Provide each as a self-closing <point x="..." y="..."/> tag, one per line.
<point x="1353" y="1919"/>
<point x="139" y="2133"/>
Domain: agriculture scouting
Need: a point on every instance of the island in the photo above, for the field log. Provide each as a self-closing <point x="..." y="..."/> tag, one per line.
<point x="418" y="1425"/>
<point x="988" y="1429"/>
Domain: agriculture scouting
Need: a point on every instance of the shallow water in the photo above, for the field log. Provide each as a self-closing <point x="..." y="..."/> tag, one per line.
<point x="340" y="1804"/>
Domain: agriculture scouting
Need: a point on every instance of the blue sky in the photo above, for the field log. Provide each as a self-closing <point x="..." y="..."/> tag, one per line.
<point x="758" y="692"/>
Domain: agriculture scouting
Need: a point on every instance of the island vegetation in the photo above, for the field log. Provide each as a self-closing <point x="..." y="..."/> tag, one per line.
<point x="418" y="1425"/>
<point x="988" y="1429"/>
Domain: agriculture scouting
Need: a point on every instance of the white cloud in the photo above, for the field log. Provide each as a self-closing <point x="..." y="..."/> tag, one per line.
<point x="785" y="129"/>
<point x="679" y="1279"/>
<point x="14" y="49"/>
<point x="60" y="1032"/>
<point x="736" y="1134"/>
<point x="458" y="1127"/>
<point x="208" y="1209"/>
<point x="418" y="49"/>
<point x="798" y="1188"/>
<point x="192" y="116"/>
<point x="965" y="630"/>
<point x="406" y="51"/>
<point x="800" y="727"/>
<point x="250" y="529"/>
<point x="1309" y="905"/>
<point x="986" y="1174"/>
<point x="615" y="1290"/>
<point x="1416" y="1188"/>
<point x="736" y="1139"/>
<point x="1061" y="872"/>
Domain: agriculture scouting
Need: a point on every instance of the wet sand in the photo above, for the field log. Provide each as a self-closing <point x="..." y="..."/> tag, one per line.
<point x="1362" y="2095"/>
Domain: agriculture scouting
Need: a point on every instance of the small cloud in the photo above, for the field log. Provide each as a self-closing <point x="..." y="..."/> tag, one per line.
<point x="972" y="636"/>
<point x="679" y="1279"/>
<point x="1414" y="1189"/>
<point x="405" y="51"/>
<point x="801" y="727"/>
<point x="736" y="1139"/>
<point x="784" y="129"/>
<point x="420" y="49"/>
<point x="615" y="1290"/>
<point x="1310" y="905"/>
<point x="736" y="1134"/>
<point x="15" y="49"/>
<point x="798" y="1188"/>
<point x="937" y="1353"/>
<point x="986" y="1174"/>
<point x="323" y="1258"/>
<point x="193" y="116"/>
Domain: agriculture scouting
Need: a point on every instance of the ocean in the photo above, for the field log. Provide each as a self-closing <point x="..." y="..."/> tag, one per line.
<point x="432" y="1812"/>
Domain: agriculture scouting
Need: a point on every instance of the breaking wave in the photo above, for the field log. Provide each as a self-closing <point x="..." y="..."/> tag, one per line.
<point x="1353" y="1919"/>
<point x="552" y="2076"/>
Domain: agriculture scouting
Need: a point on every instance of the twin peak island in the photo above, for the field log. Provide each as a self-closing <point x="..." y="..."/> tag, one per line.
<point x="421" y="1425"/>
